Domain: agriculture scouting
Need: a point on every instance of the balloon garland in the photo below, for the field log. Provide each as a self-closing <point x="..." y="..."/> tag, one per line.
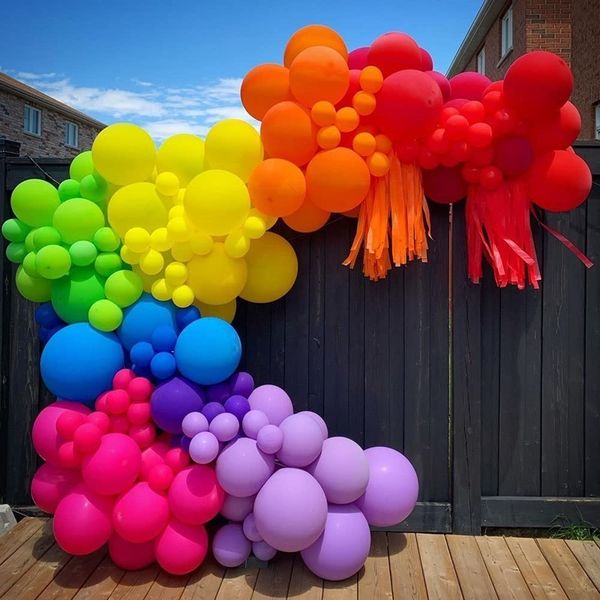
<point x="138" y="258"/>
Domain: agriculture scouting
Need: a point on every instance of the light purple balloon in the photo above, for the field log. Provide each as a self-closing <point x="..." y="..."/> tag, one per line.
<point x="269" y="439"/>
<point x="253" y="422"/>
<point x="290" y="510"/>
<point x="273" y="401"/>
<point x="224" y="427"/>
<point x="319" y="419"/>
<point x="263" y="551"/>
<point x="204" y="448"/>
<point x="219" y="392"/>
<point x="393" y="487"/>
<point x="341" y="469"/>
<point x="237" y="509"/>
<point x="250" y="530"/>
<point x="241" y="383"/>
<point x="343" y="547"/>
<point x="230" y="546"/>
<point x="212" y="409"/>
<point x="242" y="468"/>
<point x="194" y="423"/>
<point x="302" y="441"/>
<point x="237" y="405"/>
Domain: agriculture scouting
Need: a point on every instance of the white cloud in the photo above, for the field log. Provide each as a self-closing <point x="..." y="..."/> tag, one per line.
<point x="26" y="76"/>
<point x="142" y="83"/>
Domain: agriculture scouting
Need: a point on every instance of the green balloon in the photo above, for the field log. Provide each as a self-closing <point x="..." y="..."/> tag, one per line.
<point x="106" y="240"/>
<point x="29" y="244"/>
<point x="81" y="165"/>
<point x="53" y="262"/>
<point x="78" y="219"/>
<point x="68" y="189"/>
<point x="30" y="266"/>
<point x="108" y="263"/>
<point x="83" y="253"/>
<point x="33" y="288"/>
<point x="94" y="188"/>
<point x="14" y="230"/>
<point x="105" y="315"/>
<point x="72" y="296"/>
<point x="44" y="236"/>
<point x="15" y="252"/>
<point x="34" y="202"/>
<point x="124" y="288"/>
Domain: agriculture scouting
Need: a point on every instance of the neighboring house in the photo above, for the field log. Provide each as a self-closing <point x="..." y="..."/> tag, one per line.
<point x="503" y="30"/>
<point x="42" y="125"/>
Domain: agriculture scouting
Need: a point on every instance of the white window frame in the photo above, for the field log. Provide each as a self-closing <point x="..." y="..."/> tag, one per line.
<point x="27" y="120"/>
<point x="480" y="61"/>
<point x="68" y="126"/>
<point x="598" y="121"/>
<point x="506" y="32"/>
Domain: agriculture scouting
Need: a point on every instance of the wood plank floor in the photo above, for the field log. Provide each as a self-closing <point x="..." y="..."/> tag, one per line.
<point x="400" y="566"/>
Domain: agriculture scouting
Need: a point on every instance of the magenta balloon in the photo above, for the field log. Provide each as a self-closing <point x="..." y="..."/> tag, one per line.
<point x="224" y="427"/>
<point x="128" y="555"/>
<point x="469" y="85"/>
<point x="250" y="530"/>
<point x="342" y="470"/>
<point x="357" y="59"/>
<point x="242" y="468"/>
<point x="302" y="441"/>
<point x="319" y="419"/>
<point x="270" y="439"/>
<point x="290" y="510"/>
<point x="393" y="488"/>
<point x="194" y="423"/>
<point x="253" y="422"/>
<point x="204" y="448"/>
<point x="263" y="551"/>
<point x="230" y="546"/>
<point x="181" y="548"/>
<point x="513" y="155"/>
<point x="343" y="547"/>
<point x="237" y="509"/>
<point x="51" y="484"/>
<point x="273" y="401"/>
<point x="443" y="82"/>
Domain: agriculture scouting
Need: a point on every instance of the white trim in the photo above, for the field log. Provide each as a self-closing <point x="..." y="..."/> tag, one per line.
<point x="480" y="61"/>
<point x="506" y="33"/>
<point x="35" y="110"/>
<point x="68" y="124"/>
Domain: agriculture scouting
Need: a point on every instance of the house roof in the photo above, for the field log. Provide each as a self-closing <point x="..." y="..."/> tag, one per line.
<point x="29" y="93"/>
<point x="487" y="15"/>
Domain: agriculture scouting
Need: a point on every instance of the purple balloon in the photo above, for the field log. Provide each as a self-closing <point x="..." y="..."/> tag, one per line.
<point x="250" y="530"/>
<point x="219" y="392"/>
<point x="212" y="409"/>
<point x="241" y="383"/>
<point x="242" y="468"/>
<point x="237" y="509"/>
<point x="237" y="405"/>
<point x="273" y="401"/>
<point x="290" y="510"/>
<point x="185" y="443"/>
<point x="393" y="487"/>
<point x="302" y="441"/>
<point x="343" y="547"/>
<point x="263" y="551"/>
<point x="230" y="546"/>
<point x="204" y="448"/>
<point x="194" y="423"/>
<point x="319" y="419"/>
<point x="172" y="401"/>
<point x="270" y="439"/>
<point x="224" y="427"/>
<point x="253" y="422"/>
<point x="342" y="470"/>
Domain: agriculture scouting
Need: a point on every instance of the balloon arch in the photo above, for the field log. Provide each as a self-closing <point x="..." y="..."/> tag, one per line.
<point x="139" y="257"/>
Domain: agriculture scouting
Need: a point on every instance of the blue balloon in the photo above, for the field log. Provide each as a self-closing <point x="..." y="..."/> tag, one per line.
<point x="45" y="316"/>
<point x="164" y="339"/>
<point x="142" y="318"/>
<point x="79" y="362"/>
<point x="141" y="354"/>
<point x="185" y="316"/>
<point x="208" y="351"/>
<point x="163" y="365"/>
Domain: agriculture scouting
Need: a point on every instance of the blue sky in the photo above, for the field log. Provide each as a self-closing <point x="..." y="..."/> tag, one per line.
<point x="176" y="65"/>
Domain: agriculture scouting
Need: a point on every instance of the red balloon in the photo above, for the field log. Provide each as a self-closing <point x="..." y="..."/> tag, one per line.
<point x="492" y="101"/>
<point x="357" y="59"/>
<point x="447" y="112"/>
<point x="470" y="173"/>
<point x="393" y="52"/>
<point x="456" y="102"/>
<point x="353" y="87"/>
<point x="513" y="155"/>
<point x="426" y="60"/>
<point x="444" y="185"/>
<point x="495" y="86"/>
<point x="557" y="132"/>
<point x="559" y="180"/>
<point x="457" y="128"/>
<point x="408" y="105"/>
<point x="474" y="111"/>
<point x="490" y="177"/>
<point x="503" y="122"/>
<point x="443" y="82"/>
<point x="459" y="151"/>
<point x="407" y="152"/>
<point x="438" y="142"/>
<point x="537" y="83"/>
<point x="480" y="135"/>
<point x="481" y="157"/>
<point x="469" y="85"/>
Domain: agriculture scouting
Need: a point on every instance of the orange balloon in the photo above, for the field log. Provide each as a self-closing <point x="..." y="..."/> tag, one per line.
<point x="323" y="113"/>
<point x="371" y="79"/>
<point x="307" y="218"/>
<point x="319" y="73"/>
<point x="337" y="180"/>
<point x="353" y="212"/>
<point x="277" y="187"/>
<point x="378" y="163"/>
<point x="364" y="103"/>
<point x="329" y="137"/>
<point x="263" y="87"/>
<point x="314" y="35"/>
<point x="288" y="132"/>
<point x="347" y="119"/>
<point x="364" y="143"/>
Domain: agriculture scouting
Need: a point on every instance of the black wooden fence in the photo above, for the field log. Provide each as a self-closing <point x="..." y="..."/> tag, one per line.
<point x="494" y="395"/>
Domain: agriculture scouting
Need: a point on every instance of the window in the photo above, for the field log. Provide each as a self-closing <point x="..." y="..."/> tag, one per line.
<point x="506" y="33"/>
<point x="598" y="121"/>
<point x="481" y="61"/>
<point x="32" y="120"/>
<point x="72" y="135"/>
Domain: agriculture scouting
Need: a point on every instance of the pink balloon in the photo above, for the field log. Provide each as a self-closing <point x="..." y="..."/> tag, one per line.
<point x="237" y="509"/>
<point x="273" y="401"/>
<point x="181" y="548"/>
<point x="140" y="514"/>
<point x="82" y="521"/>
<point x="357" y="59"/>
<point x="114" y="467"/>
<point x="469" y="85"/>
<point x="152" y="456"/>
<point x="130" y="556"/>
<point x="443" y="82"/>
<point x="51" y="484"/>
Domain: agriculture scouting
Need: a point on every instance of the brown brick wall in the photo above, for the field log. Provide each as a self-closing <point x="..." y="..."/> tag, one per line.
<point x="52" y="141"/>
<point x="549" y="26"/>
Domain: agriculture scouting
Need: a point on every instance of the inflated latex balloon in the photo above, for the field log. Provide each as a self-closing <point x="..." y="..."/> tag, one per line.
<point x="34" y="201"/>
<point x="314" y="35"/>
<point x="128" y="555"/>
<point x="73" y="296"/>
<point x="230" y="546"/>
<point x="307" y="218"/>
<point x="273" y="402"/>
<point x="51" y="484"/>
<point x="181" y="548"/>
<point x="468" y="86"/>
<point x="263" y="87"/>
<point x="182" y="155"/>
<point x="81" y="166"/>
<point x="393" y="52"/>
<point x="445" y="185"/>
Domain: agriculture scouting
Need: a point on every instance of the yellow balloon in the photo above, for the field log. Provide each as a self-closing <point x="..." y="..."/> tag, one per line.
<point x="124" y="153"/>
<point x="222" y="311"/>
<point x="217" y="202"/>
<point x="268" y="219"/>
<point x="176" y="273"/>
<point x="183" y="296"/>
<point x="152" y="262"/>
<point x="137" y="205"/>
<point x="161" y="290"/>
<point x="147" y="280"/>
<point x="167" y="184"/>
<point x="216" y="278"/>
<point x="182" y="154"/>
<point x="235" y="146"/>
<point x="237" y="244"/>
<point x="272" y="269"/>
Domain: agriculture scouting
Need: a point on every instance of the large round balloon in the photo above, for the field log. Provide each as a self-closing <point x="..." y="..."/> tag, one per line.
<point x="181" y="548"/>
<point x="51" y="484"/>
<point x="34" y="201"/>
<point x="273" y="401"/>
<point x="73" y="296"/>
<point x="468" y="86"/>
<point x="314" y="35"/>
<point x="183" y="155"/>
<point x="263" y="87"/>
<point x="128" y="555"/>
<point x="444" y="185"/>
<point x="142" y="318"/>
<point x="393" y="52"/>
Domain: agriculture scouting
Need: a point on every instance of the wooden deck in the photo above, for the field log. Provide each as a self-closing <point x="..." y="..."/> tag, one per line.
<point x="400" y="566"/>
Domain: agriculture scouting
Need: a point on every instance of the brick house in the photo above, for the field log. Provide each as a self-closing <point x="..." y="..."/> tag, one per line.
<point x="42" y="125"/>
<point x="504" y="30"/>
